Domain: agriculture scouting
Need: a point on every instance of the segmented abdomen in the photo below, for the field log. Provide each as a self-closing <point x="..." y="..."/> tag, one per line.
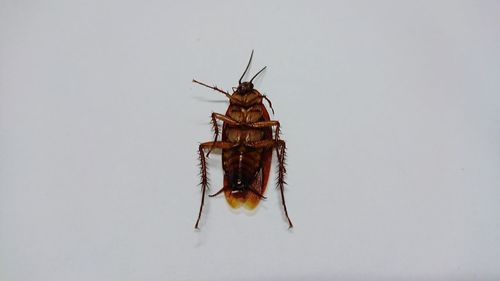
<point x="241" y="166"/>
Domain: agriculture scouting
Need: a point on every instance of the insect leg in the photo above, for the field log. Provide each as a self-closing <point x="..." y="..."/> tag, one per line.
<point x="264" y="124"/>
<point x="204" y="181"/>
<point x="269" y="102"/>
<point x="281" y="149"/>
<point x="281" y="176"/>
<point x="203" y="170"/>
<point x="257" y="193"/>
<point x="213" y="88"/>
<point x="270" y="123"/>
<point x="251" y="190"/>
<point x="217" y="193"/>
<point x="223" y="118"/>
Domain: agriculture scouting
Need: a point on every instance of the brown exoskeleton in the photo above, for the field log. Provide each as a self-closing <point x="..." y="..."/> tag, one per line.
<point x="247" y="145"/>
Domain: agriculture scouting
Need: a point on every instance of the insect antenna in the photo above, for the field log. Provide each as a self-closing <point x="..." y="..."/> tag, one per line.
<point x="246" y="69"/>
<point x="257" y="74"/>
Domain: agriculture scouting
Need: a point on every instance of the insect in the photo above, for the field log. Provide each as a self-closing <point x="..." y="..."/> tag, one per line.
<point x="247" y="146"/>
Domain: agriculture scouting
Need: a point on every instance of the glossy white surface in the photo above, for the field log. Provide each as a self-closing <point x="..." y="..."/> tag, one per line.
<point x="391" y="111"/>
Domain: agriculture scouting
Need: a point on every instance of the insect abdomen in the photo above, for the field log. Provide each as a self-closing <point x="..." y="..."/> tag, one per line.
<point x="244" y="173"/>
<point x="241" y="163"/>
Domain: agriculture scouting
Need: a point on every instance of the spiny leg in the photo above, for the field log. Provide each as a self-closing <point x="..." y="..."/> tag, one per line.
<point x="204" y="181"/>
<point x="281" y="176"/>
<point x="203" y="170"/>
<point x="223" y="118"/>
<point x="281" y="150"/>
<point x="213" y="88"/>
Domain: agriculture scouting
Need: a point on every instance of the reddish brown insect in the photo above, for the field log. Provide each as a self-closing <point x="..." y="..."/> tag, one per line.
<point x="247" y="145"/>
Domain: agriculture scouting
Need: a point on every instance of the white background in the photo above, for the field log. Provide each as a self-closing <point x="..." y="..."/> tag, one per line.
<point x="391" y="111"/>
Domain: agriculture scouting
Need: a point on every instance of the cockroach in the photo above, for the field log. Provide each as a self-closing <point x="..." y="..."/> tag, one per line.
<point x="247" y="146"/>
